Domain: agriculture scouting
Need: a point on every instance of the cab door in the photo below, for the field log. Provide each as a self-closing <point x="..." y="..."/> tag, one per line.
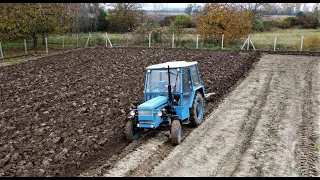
<point x="186" y="86"/>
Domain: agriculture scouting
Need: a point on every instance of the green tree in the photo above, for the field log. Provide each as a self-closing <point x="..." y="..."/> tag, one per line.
<point x="102" y="23"/>
<point x="316" y="13"/>
<point x="34" y="19"/>
<point x="123" y="16"/>
<point x="299" y="14"/>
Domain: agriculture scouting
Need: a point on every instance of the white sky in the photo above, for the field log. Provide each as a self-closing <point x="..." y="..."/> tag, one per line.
<point x="150" y="6"/>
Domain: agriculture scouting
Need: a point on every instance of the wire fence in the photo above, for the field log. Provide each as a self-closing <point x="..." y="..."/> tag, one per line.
<point x="59" y="43"/>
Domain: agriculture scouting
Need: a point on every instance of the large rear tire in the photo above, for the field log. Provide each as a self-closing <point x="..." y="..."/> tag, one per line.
<point x="196" y="111"/>
<point x="175" y="132"/>
<point x="132" y="133"/>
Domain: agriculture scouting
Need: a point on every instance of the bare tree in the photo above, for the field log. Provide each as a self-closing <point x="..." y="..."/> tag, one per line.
<point x="256" y="9"/>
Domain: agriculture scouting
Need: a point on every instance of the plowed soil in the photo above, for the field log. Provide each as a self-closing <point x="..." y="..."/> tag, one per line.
<point x="61" y="114"/>
<point x="267" y="126"/>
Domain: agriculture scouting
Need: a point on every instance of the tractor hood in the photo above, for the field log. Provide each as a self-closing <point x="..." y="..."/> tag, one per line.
<point x="154" y="103"/>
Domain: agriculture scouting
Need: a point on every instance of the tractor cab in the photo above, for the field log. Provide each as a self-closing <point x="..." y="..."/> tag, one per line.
<point x="173" y="95"/>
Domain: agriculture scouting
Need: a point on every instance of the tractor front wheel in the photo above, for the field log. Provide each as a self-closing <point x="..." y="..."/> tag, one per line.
<point x="175" y="132"/>
<point x="196" y="111"/>
<point x="132" y="133"/>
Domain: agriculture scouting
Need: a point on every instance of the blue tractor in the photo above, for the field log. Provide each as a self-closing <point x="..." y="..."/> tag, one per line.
<point x="173" y="95"/>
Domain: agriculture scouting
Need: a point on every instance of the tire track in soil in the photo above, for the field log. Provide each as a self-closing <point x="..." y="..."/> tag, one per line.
<point x="261" y="158"/>
<point x="147" y="166"/>
<point x="308" y="158"/>
<point x="248" y="126"/>
<point x="279" y="119"/>
<point x="144" y="168"/>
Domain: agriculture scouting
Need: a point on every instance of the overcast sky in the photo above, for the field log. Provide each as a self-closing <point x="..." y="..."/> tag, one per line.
<point x="150" y="6"/>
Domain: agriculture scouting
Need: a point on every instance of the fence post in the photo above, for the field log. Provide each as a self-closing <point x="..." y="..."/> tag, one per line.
<point x="47" y="45"/>
<point x="301" y="43"/>
<point x="1" y="53"/>
<point x="222" y="41"/>
<point x="127" y="40"/>
<point x="88" y="40"/>
<point x="248" y="42"/>
<point x="150" y="39"/>
<point x="252" y="43"/>
<point x="62" y="42"/>
<point x="25" y="46"/>
<point x="197" y="44"/>
<point x="172" y="40"/>
<point x="77" y="40"/>
<point x="275" y="43"/>
<point x="108" y="39"/>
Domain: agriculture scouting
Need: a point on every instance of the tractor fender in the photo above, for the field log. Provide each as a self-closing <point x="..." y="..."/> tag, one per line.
<point x="194" y="91"/>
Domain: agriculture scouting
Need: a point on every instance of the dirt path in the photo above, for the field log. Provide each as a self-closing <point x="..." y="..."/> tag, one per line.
<point x="268" y="126"/>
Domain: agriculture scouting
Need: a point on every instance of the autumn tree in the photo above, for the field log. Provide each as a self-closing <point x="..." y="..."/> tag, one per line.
<point x="219" y="19"/>
<point x="33" y="19"/>
<point x="123" y="16"/>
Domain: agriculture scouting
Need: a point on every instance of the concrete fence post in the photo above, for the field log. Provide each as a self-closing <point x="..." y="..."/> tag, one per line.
<point x="106" y="39"/>
<point x="172" y="40"/>
<point x="248" y="42"/>
<point x="46" y="39"/>
<point x="127" y="39"/>
<point x="25" y="46"/>
<point x="197" y="44"/>
<point x="150" y="39"/>
<point x="62" y="42"/>
<point x="302" y="38"/>
<point x="77" y="40"/>
<point x="275" y="43"/>
<point x="88" y="40"/>
<point x="1" y="53"/>
<point x="222" y="41"/>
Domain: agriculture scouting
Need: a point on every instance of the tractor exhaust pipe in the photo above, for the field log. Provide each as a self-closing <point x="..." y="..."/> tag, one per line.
<point x="169" y="87"/>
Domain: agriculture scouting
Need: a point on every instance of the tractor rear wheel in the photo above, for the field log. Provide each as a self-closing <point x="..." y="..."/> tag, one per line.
<point x="196" y="111"/>
<point x="132" y="133"/>
<point x="175" y="132"/>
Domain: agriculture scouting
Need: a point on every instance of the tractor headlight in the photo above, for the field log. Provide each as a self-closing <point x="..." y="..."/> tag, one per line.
<point x="132" y="113"/>
<point x="160" y="113"/>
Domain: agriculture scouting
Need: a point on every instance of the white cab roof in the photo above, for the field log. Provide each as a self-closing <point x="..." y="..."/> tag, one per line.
<point x="172" y="64"/>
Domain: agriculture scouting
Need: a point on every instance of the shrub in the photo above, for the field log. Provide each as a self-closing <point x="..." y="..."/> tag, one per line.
<point x="165" y="21"/>
<point x="284" y="25"/>
<point x="310" y="21"/>
<point x="257" y="25"/>
<point x="190" y="23"/>
<point x="312" y="42"/>
<point x="291" y="20"/>
<point x="156" y="36"/>
<point x="269" y="25"/>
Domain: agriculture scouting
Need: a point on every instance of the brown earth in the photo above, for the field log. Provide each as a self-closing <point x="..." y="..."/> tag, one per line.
<point x="269" y="125"/>
<point x="60" y="114"/>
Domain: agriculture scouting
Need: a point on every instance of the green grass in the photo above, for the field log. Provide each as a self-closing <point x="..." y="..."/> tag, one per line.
<point x="287" y="39"/>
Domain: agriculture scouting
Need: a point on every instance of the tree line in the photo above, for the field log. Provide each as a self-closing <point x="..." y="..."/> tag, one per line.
<point x="234" y="20"/>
